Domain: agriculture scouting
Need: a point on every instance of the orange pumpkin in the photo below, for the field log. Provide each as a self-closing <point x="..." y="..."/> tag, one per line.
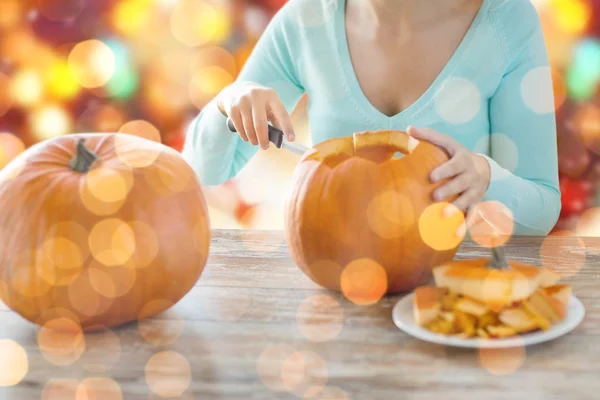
<point x="361" y="221"/>
<point x="101" y="229"/>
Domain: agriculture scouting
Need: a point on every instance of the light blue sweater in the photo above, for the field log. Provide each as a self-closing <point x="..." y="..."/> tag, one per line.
<point x="494" y="96"/>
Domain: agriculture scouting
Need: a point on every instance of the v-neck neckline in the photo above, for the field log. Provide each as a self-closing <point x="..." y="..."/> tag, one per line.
<point x="358" y="96"/>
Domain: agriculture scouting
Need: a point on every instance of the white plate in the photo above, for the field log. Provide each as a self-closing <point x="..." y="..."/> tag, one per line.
<point x="403" y="318"/>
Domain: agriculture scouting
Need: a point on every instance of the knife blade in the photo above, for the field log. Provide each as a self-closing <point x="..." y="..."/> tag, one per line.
<point x="498" y="260"/>
<point x="276" y="137"/>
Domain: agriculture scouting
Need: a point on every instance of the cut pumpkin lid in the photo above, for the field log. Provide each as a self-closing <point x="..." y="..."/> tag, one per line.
<point x="478" y="269"/>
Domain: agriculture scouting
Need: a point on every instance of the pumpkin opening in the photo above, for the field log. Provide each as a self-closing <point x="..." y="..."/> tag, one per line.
<point x="377" y="147"/>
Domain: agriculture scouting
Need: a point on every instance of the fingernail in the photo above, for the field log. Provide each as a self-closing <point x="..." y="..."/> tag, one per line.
<point x="265" y="147"/>
<point x="292" y="137"/>
<point x="433" y="177"/>
<point x="437" y="196"/>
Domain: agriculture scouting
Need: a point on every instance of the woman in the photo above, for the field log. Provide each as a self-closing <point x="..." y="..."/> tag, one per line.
<point x="471" y="76"/>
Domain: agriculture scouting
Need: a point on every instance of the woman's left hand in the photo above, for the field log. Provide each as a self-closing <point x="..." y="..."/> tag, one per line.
<point x="468" y="173"/>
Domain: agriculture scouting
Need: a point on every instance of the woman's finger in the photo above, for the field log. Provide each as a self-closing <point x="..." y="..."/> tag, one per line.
<point x="433" y="136"/>
<point x="261" y="125"/>
<point x="236" y="118"/>
<point x="281" y="119"/>
<point x="456" y="186"/>
<point x="449" y="169"/>
<point x="465" y="200"/>
<point x="248" y="120"/>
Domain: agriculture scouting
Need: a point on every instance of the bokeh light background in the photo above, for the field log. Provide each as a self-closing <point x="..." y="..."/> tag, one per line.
<point x="149" y="66"/>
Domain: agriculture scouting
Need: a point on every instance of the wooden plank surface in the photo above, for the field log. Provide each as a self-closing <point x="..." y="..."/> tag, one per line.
<point x="252" y="308"/>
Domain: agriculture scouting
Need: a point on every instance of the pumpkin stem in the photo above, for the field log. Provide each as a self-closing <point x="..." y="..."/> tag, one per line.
<point x="84" y="158"/>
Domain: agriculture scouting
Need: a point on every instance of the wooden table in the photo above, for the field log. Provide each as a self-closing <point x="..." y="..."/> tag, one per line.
<point x="252" y="328"/>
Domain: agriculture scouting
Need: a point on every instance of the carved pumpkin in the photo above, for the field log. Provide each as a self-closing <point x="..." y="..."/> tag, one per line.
<point x="100" y="229"/>
<point x="362" y="221"/>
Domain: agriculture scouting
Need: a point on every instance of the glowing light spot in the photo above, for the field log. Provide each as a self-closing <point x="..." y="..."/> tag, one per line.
<point x="64" y="253"/>
<point x="21" y="278"/>
<point x="104" y="190"/>
<point x="60" y="389"/>
<point x="92" y="63"/>
<point x="145" y="238"/>
<point x="112" y="242"/>
<point x="14" y="363"/>
<point x="320" y="318"/>
<point x="49" y="121"/>
<point x="582" y="77"/>
<point x="502" y="361"/>
<point x="85" y="298"/>
<point x="490" y="223"/>
<point x="270" y="363"/>
<point x="135" y="154"/>
<point x="572" y="16"/>
<point x="171" y="177"/>
<point x="587" y="123"/>
<point x="61" y="341"/>
<point x="112" y="283"/>
<point x="60" y="83"/>
<point x="438" y="231"/>
<point x="131" y="16"/>
<point x="564" y="252"/>
<point x="99" y="388"/>
<point x="390" y="214"/>
<point x="508" y="158"/>
<point x="142" y="129"/>
<point x="332" y="393"/>
<point x="60" y="259"/>
<point x="125" y="80"/>
<point x="196" y="23"/>
<point x="10" y="147"/>
<point x="26" y="87"/>
<point x="206" y="83"/>
<point x="243" y="53"/>
<point x="304" y="373"/>
<point x="103" y="351"/>
<point x="11" y="13"/>
<point x="458" y="101"/>
<point x="560" y="89"/>
<point x="168" y="374"/>
<point x="108" y="119"/>
<point x="160" y="328"/>
<point x="58" y="10"/>
<point x="210" y="56"/>
<point x="18" y="44"/>
<point x="107" y="184"/>
<point x="537" y="91"/>
<point x="363" y="281"/>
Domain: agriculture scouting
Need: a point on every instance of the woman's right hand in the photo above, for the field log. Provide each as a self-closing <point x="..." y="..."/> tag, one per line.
<point x="251" y="107"/>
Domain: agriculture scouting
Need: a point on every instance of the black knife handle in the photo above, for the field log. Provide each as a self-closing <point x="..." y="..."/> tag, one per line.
<point x="275" y="135"/>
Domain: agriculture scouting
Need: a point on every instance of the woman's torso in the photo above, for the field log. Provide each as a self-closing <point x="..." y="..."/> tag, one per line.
<point x="453" y="100"/>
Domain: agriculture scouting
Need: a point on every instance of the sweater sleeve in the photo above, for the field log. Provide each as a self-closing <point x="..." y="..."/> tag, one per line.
<point x="524" y="161"/>
<point x="216" y="154"/>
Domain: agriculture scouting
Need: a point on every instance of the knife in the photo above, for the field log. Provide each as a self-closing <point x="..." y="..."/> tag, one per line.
<point x="498" y="260"/>
<point x="276" y="137"/>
